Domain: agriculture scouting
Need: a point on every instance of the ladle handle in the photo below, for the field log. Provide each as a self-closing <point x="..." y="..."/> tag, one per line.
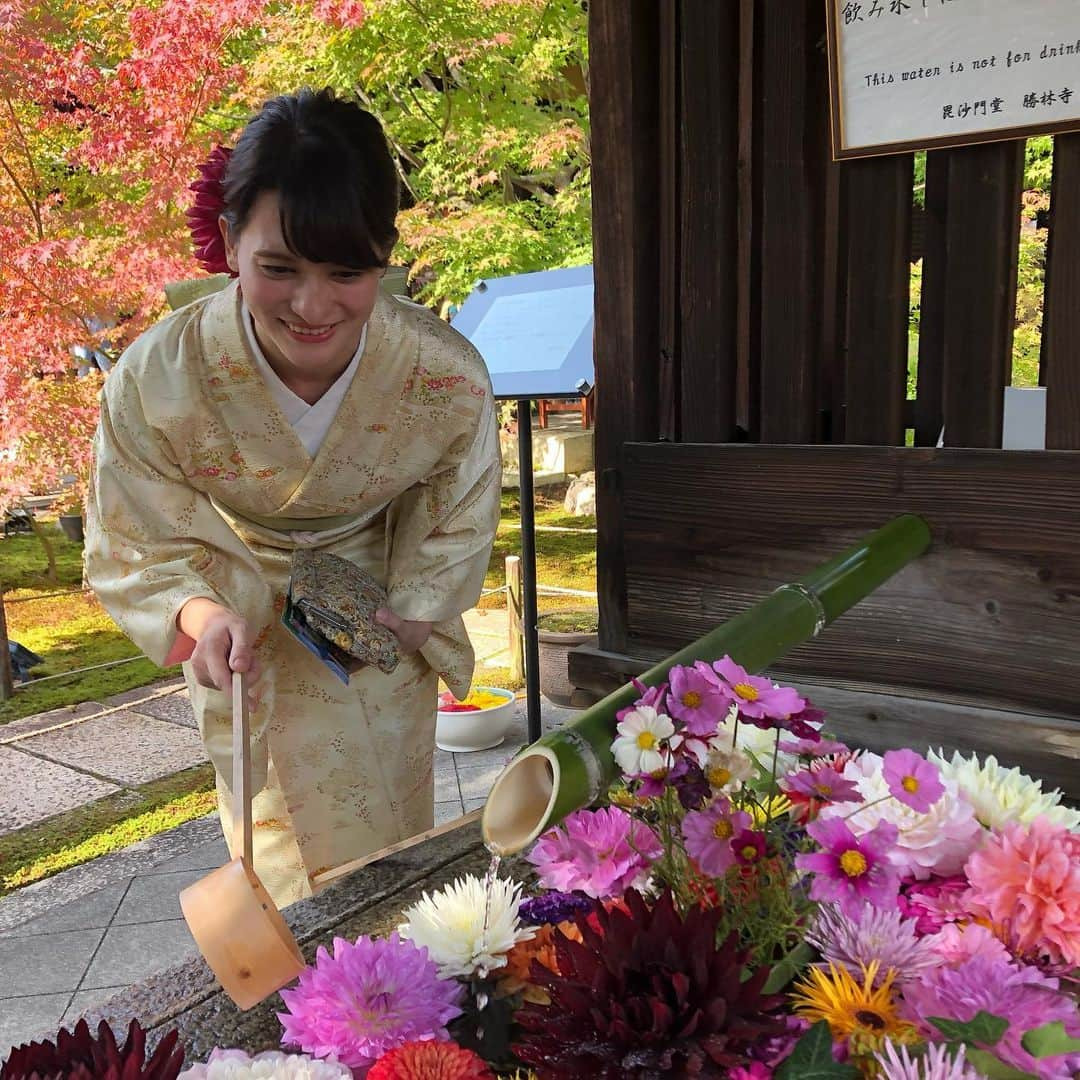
<point x="241" y="784"/>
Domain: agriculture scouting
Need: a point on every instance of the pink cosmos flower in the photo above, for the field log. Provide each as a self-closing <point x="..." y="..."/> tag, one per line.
<point x="754" y="1071"/>
<point x="652" y="696"/>
<point x="759" y="701"/>
<point x="1018" y="993"/>
<point x="912" y="779"/>
<point x="1028" y="879"/>
<point x="202" y="217"/>
<point x="601" y="853"/>
<point x="826" y="784"/>
<point x="696" y="699"/>
<point x="851" y="870"/>
<point x="934" y="903"/>
<point x="709" y="834"/>
<point x="366" y="999"/>
<point x="813" y="747"/>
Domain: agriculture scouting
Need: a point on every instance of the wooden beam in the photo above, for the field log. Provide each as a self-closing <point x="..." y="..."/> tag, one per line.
<point x="876" y="199"/>
<point x="623" y="84"/>
<point x="708" y="156"/>
<point x="1061" y="318"/>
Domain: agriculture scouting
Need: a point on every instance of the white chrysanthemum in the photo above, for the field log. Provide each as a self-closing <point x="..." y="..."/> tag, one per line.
<point x="450" y="925"/>
<point x="640" y="748"/>
<point x="1001" y="796"/>
<point x="726" y="769"/>
<point x="754" y="741"/>
<point x="935" y="842"/>
<point x="270" y="1065"/>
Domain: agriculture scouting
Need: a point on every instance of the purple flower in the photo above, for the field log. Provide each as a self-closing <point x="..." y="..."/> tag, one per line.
<point x="709" y="833"/>
<point x="749" y="846"/>
<point x="757" y="699"/>
<point x="1019" y="994"/>
<point x="804" y="725"/>
<point x="934" y="903"/>
<point x="826" y="783"/>
<point x="553" y="907"/>
<point x="601" y="853"/>
<point x="688" y="780"/>
<point x="938" y="1063"/>
<point x="366" y="999"/>
<point x="209" y="204"/>
<point x="696" y="699"/>
<point x="652" y="696"/>
<point x="813" y="747"/>
<point x="912" y="779"/>
<point x="851" y="870"/>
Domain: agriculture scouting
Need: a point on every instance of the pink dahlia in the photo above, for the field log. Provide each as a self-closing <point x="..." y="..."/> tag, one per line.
<point x="366" y="999"/>
<point x="209" y="204"/>
<point x="758" y="700"/>
<point x="1020" y="994"/>
<point x="696" y="699"/>
<point x="709" y="833"/>
<point x="912" y="779"/>
<point x="954" y="944"/>
<point x="600" y="853"/>
<point x="851" y="870"/>
<point x="1028" y="879"/>
<point x="934" y="903"/>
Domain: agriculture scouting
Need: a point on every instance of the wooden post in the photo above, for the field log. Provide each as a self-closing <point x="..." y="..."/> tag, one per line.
<point x="514" y="612"/>
<point x="7" y="686"/>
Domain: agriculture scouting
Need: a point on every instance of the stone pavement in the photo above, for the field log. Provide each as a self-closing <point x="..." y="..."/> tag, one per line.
<point x="74" y="940"/>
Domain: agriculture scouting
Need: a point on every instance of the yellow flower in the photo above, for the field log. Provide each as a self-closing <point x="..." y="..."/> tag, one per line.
<point x="863" y="1014"/>
<point x="772" y="807"/>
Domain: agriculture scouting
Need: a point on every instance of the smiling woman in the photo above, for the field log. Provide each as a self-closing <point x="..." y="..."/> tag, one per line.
<point x="300" y="407"/>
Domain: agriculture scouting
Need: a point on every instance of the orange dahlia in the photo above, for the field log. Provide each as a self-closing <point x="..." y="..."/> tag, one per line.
<point x="516" y="975"/>
<point x="430" y="1060"/>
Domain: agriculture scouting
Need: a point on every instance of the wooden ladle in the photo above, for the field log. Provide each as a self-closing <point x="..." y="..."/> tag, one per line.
<point x="236" y="925"/>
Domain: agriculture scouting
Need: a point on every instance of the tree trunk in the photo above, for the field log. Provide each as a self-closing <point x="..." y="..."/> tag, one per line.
<point x="46" y="542"/>
<point x="7" y="686"/>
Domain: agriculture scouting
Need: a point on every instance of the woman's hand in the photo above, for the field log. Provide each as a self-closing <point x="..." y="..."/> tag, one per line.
<point x="223" y="643"/>
<point x="411" y="634"/>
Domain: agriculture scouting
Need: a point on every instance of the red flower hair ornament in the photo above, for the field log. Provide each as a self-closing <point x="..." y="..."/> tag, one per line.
<point x="208" y="206"/>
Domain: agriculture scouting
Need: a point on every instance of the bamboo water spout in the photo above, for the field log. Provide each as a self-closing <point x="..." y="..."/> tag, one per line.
<point x="570" y="768"/>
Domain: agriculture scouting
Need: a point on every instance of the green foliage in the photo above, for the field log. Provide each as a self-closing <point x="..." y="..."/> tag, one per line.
<point x="1039" y="163"/>
<point x="983" y="1028"/>
<point x="812" y="1058"/>
<point x="1049" y="1040"/>
<point x="23" y="564"/>
<point x="1027" y="333"/>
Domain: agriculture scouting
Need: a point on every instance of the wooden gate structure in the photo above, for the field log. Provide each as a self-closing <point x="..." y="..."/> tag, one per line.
<point x="751" y="352"/>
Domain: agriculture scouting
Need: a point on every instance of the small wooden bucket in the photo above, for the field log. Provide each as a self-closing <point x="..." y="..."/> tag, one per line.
<point x="236" y="925"/>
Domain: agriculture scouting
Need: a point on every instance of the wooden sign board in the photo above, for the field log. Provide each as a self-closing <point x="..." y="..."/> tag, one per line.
<point x="918" y="74"/>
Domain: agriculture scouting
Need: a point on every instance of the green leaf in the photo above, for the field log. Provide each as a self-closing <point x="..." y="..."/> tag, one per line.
<point x="788" y="967"/>
<point x="1050" y="1039"/>
<point x="983" y="1028"/>
<point x="993" y="1068"/>
<point x="812" y="1058"/>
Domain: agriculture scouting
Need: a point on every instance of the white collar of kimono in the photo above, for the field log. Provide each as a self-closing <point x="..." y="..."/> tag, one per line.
<point x="310" y="422"/>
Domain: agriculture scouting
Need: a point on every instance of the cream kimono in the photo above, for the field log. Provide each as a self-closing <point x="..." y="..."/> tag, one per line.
<point x="202" y="488"/>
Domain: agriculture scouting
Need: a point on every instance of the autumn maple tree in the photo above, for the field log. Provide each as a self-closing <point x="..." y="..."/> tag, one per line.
<point x="107" y="108"/>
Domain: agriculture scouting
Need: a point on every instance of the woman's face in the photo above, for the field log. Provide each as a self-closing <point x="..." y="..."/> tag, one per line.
<point x="308" y="316"/>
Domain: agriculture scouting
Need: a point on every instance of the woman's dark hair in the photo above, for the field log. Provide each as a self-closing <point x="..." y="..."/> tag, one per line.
<point x="329" y="163"/>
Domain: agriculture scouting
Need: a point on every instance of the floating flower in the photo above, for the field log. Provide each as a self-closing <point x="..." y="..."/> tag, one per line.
<point x="269" y="1065"/>
<point x="209" y="204"/>
<point x="600" y="853"/>
<point x="749" y="847"/>
<point x="1002" y="796"/>
<point x="726" y="769"/>
<point x="708" y="834"/>
<point x="1021" y="995"/>
<point x="856" y="941"/>
<point x="954" y="944"/>
<point x="935" y="902"/>
<point x="366" y="999"/>
<point x="465" y="928"/>
<point x="757" y="699"/>
<point x="641" y="745"/>
<point x="824" y="784"/>
<point x="696" y="699"/>
<point x="516" y="976"/>
<point x="851" y="870"/>
<point x="553" y="907"/>
<point x="430" y="1061"/>
<point x="936" y="842"/>
<point x="1028" y="878"/>
<point x="863" y="1013"/>
<point x="912" y="779"/>
<point x="936" y="1063"/>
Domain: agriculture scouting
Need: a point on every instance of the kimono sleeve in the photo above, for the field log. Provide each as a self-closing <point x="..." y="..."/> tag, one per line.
<point x="153" y="541"/>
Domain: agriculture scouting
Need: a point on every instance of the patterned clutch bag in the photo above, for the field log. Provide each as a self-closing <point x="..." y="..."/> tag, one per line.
<point x="337" y="600"/>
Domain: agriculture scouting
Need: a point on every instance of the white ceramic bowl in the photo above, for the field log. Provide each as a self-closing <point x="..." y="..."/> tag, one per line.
<point x="479" y="729"/>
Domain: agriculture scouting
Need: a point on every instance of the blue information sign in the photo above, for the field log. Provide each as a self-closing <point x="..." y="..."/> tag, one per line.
<point x="534" y="331"/>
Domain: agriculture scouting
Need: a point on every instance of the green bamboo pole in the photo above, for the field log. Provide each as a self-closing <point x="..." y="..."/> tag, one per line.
<point x="576" y="764"/>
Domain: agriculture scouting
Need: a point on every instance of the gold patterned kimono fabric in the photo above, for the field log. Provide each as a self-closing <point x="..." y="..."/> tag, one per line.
<point x="200" y="488"/>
